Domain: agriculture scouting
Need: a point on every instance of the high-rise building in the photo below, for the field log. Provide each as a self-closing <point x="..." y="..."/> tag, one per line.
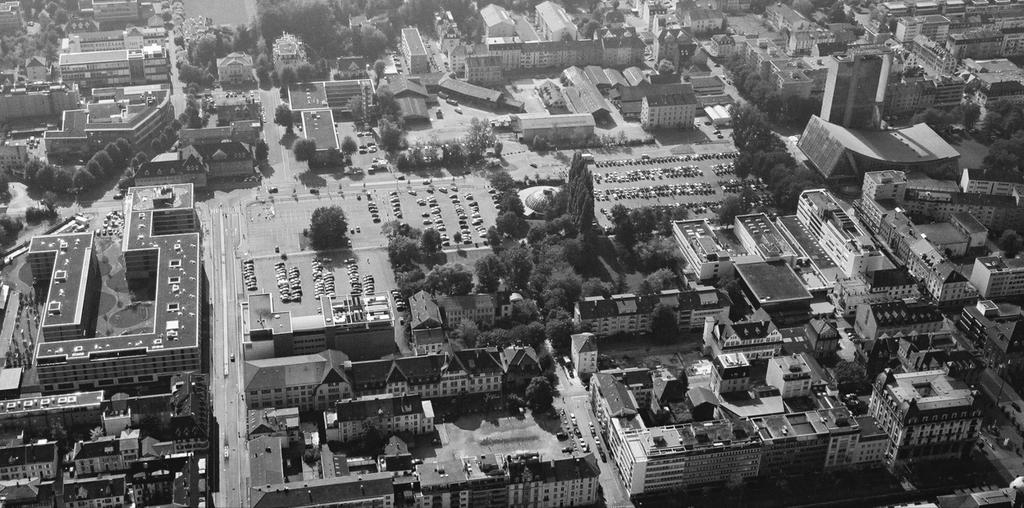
<point x="855" y="88"/>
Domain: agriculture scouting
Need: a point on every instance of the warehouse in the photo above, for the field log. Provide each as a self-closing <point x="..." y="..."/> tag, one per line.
<point x="553" y="127"/>
<point x="719" y="115"/>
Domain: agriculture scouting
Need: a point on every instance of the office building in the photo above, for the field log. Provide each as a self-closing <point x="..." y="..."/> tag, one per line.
<point x="841" y="236"/>
<point x="337" y="97"/>
<point x="997" y="277"/>
<point x="161" y="247"/>
<point x="758" y="234"/>
<point x="934" y="26"/>
<point x="927" y="416"/>
<point x="389" y="414"/>
<point x="110" y="40"/>
<point x="416" y="58"/>
<point x="855" y="89"/>
<point x="553" y="23"/>
<point x="707" y="254"/>
<point x="578" y="126"/>
<point x="137" y="114"/>
<point x="991" y="181"/>
<point x="115" y="12"/>
<point x="120" y="67"/>
<point x="807" y="443"/>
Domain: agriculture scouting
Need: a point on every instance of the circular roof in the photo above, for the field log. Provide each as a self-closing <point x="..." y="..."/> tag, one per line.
<point x="533" y="198"/>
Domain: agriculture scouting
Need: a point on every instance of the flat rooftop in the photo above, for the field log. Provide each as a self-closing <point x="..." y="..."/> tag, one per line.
<point x="72" y="254"/>
<point x="342" y="312"/>
<point x="318" y="125"/>
<point x="160" y="220"/>
<point x="412" y="37"/>
<point x="931" y="389"/>
<point x="773" y="282"/>
<point x="91" y="57"/>
<point x="770" y="242"/>
<point x="26" y="406"/>
<point x="303" y="96"/>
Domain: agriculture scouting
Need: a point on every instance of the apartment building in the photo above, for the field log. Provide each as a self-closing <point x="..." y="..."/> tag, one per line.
<point x="668" y="111"/>
<point x="389" y="414"/>
<point x="674" y="44"/>
<point x="878" y="286"/>
<point x="308" y="382"/>
<point x="584" y="353"/>
<point x="480" y="308"/>
<point x="730" y="372"/>
<point x="416" y="58"/>
<point x="497" y="22"/>
<point x="30" y="460"/>
<point x="38" y="411"/>
<point x="792" y="375"/>
<point x="119" y="67"/>
<point x="897" y="318"/>
<point x="163" y="249"/>
<point x="467" y="481"/>
<point x="839" y="235"/>
<point x="565" y="481"/>
<point x="36" y="100"/>
<point x="553" y="23"/>
<point x="629" y="313"/>
<point x="909" y="95"/>
<point x="991" y="181"/>
<point x="927" y="415"/>
<point x="932" y="56"/>
<point x="807" y="443"/>
<point x="997" y="277"/>
<point x="107" y="454"/>
<point x="100" y="492"/>
<point x="977" y="43"/>
<point x="998" y="330"/>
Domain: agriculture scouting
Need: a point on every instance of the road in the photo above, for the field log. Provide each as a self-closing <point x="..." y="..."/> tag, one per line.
<point x="575" y="401"/>
<point x="220" y="227"/>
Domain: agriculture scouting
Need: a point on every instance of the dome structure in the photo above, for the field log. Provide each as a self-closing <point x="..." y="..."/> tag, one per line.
<point x="1018" y="484"/>
<point x="534" y="198"/>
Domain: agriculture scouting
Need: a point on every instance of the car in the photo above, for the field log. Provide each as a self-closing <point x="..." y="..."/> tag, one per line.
<point x="232" y="358"/>
<point x="272" y="190"/>
<point x="458" y="110"/>
<point x="315" y="192"/>
<point x="226" y="451"/>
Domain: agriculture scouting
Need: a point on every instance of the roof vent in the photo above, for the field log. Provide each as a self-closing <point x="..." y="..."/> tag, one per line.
<point x="53" y="308"/>
<point x="60" y="275"/>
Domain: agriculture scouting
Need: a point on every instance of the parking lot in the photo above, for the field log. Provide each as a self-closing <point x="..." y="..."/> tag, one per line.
<point x="698" y="181"/>
<point x="473" y="435"/>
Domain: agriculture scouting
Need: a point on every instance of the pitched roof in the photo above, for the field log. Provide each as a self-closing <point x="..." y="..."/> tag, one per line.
<point x="224" y="151"/>
<point x="401" y="84"/>
<point x="424" y="312"/>
<point x="328" y="491"/>
<point x="237" y="58"/>
<point x="584" y="343"/>
<point x="668" y="390"/>
<point x="299" y="370"/>
<point x="619" y="399"/>
<point x="35" y="61"/>
<point x="900" y="313"/>
<point x="699" y="395"/>
<point x="386" y="405"/>
<point x="23" y="455"/>
<point x="520" y="359"/>
<point x="479" y="361"/>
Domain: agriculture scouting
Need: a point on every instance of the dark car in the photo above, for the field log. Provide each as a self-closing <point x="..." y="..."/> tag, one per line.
<point x="314" y="191"/>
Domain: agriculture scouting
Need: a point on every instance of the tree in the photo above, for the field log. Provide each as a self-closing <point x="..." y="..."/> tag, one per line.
<point x="970" y="112"/>
<point x="804" y="7"/>
<point x="489" y="271"/>
<point x="479" y="137"/>
<point x="518" y="266"/>
<point x="304" y="150"/>
<point x="558" y="329"/>
<point x="664" y="325"/>
<point x="287" y="77"/>
<point x="328" y="227"/>
<point x="348" y="145"/>
<point x="660" y="280"/>
<point x="1011" y="242"/>
<point x="283" y="116"/>
<point x="395" y="228"/>
<point x="729" y="209"/>
<point x="430" y="242"/>
<point x="497" y="148"/>
<point x="403" y="252"/>
<point x="540" y="394"/>
<point x="580" y="186"/>
<point x="83" y="180"/>
<point x="449" y="279"/>
<point x="379" y="67"/>
<point x="105" y="162"/>
<point x="305" y="72"/>
<point x="392" y="138"/>
<point x="849" y="373"/>
<point x="665" y="67"/>
<point x="508" y="223"/>
<point x="262" y="151"/>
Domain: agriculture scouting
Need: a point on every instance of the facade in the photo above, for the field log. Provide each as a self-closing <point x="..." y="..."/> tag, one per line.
<point x="998" y="330"/>
<point x="173" y="168"/>
<point x="578" y="126"/>
<point x="27" y="461"/>
<point x="389" y="414"/>
<point x="841" y="236"/>
<point x="991" y="181"/>
<point x="366" y="489"/>
<point x="565" y="481"/>
<point x="898" y="318"/>
<point x="909" y="95"/>
<point x="480" y="308"/>
<point x="584" y="353"/>
<point x="114" y="12"/>
<point x="631" y="314"/>
<point x="674" y="44"/>
<point x="108" y="454"/>
<point x="933" y="26"/>
<point x="100" y="492"/>
<point x="758" y="339"/>
<point x="790" y="374"/>
<point x="730" y="373"/>
<point x="497" y="22"/>
<point x="878" y="286"/>
<point x="926" y="415"/>
<point x="997" y="277"/>
<point x="415" y="53"/>
<point x="138" y="114"/>
<point x="553" y="23"/>
<point x="806" y="443"/>
<point x="123" y="67"/>
<point x="37" y="70"/>
<point x="235" y="68"/>
<point x="668" y="111"/>
<point x="855" y="89"/>
<point x="308" y="382"/>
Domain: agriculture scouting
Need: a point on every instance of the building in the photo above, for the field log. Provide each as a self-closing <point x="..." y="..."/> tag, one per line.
<point x="674" y="44"/>
<point x="36" y="100"/>
<point x="840" y="153"/>
<point x="308" y="382"/>
<point x="730" y="373"/>
<point x="933" y="57"/>
<point x="10" y="16"/>
<point x="706" y="253"/>
<point x="27" y="461"/>
<point x="362" y="327"/>
<point x="991" y="181"/>
<point x="977" y="43"/>
<point x="469" y="481"/>
<point x="105" y="490"/>
<point x="776" y="289"/>
<point x="997" y="277"/>
<point x="702" y="21"/>
<point x="855" y="89"/>
<point x="163" y="251"/>
<point x="230" y="160"/>
<point x="908" y="95"/>
<point x="115" y="12"/>
<point x="823" y="338"/>
<point x="758" y="234"/>
<point x="926" y="415"/>
<point x="288" y="52"/>
<point x="38" y="411"/>
<point x="173" y="168"/>
<point x="478" y="308"/>
<point x="235" y="68"/>
<point x="555" y="128"/>
<point x="389" y="414"/>
<point x="497" y="22"/>
<point x="416" y="58"/>
<point x="997" y="329"/>
<point x="807" y="443"/>
<point x="877" y="286"/>
<point x="563" y="481"/>
<point x="120" y="67"/>
<point x="790" y="374"/>
<point x="241" y="131"/>
<point x="668" y="111"/>
<point x="757" y="339"/>
<point x="898" y="318"/>
<point x="137" y="114"/>
<point x="337" y="97"/>
<point x="109" y="40"/>
<point x="933" y="26"/>
<point x="584" y="354"/>
<point x="107" y="454"/>
<point x="365" y="489"/>
<point x="841" y="236"/>
<point x="37" y="70"/>
<point x="631" y="314"/>
<point x="553" y="23"/>
<point x="684" y="457"/>
<point x="13" y="157"/>
<point x="520" y="365"/>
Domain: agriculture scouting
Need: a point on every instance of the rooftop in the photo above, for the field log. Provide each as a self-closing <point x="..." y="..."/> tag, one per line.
<point x="412" y="37"/>
<point x="318" y="125"/>
<point x="770" y="242"/>
<point x="773" y="282"/>
<point x="931" y="389"/>
<point x="915" y="144"/>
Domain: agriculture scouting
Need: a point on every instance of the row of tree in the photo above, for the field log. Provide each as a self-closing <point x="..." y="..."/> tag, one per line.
<point x="108" y="163"/>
